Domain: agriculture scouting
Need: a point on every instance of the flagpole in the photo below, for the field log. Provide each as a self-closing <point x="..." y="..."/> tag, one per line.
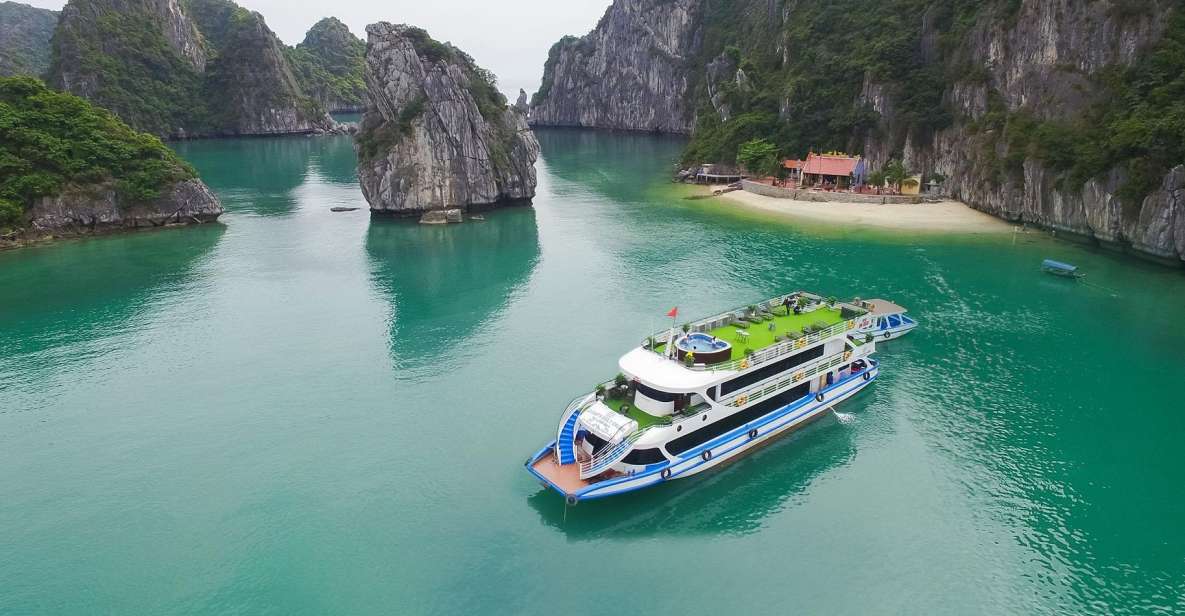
<point x="671" y="334"/>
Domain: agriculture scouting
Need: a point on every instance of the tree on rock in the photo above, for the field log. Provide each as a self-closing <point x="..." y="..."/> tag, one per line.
<point x="759" y="157"/>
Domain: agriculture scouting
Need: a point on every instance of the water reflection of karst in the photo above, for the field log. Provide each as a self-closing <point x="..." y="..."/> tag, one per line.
<point x="260" y="176"/>
<point x="733" y="499"/>
<point x="445" y="282"/>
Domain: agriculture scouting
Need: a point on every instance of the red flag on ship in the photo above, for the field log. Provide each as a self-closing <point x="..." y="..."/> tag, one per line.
<point x="674" y="312"/>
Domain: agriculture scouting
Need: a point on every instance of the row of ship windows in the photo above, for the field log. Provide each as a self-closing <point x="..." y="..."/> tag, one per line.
<point x="691" y="440"/>
<point x="642" y="457"/>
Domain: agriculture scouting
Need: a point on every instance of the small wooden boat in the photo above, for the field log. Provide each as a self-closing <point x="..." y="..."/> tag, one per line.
<point x="1057" y="268"/>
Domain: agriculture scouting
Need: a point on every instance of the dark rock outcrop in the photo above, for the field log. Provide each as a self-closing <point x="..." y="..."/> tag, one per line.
<point x="25" y="32"/>
<point x="437" y="134"/>
<point x="97" y="209"/>
<point x="100" y="208"/>
<point x="630" y="73"/>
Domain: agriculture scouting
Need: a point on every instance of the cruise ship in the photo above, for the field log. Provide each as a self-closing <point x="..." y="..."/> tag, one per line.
<point x="692" y="397"/>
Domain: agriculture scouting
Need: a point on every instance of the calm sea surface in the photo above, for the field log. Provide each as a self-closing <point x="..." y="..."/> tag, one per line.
<point x="306" y="412"/>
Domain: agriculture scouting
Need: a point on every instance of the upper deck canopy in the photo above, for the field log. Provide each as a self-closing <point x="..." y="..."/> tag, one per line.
<point x="661" y="373"/>
<point x="878" y="307"/>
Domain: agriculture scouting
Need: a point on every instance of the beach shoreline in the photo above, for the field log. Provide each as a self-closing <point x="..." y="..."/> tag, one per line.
<point x="946" y="216"/>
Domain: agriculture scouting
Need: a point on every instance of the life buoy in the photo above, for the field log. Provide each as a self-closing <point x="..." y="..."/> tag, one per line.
<point x="741" y="400"/>
<point x="867" y="375"/>
<point x="852" y="324"/>
<point x="572" y="500"/>
<point x="706" y="455"/>
<point x="665" y="474"/>
<point x="819" y="397"/>
<point x="744" y="364"/>
<point x="888" y="335"/>
<point x="753" y="434"/>
<point x="847" y="355"/>
<point x="798" y="376"/>
<point x="801" y="342"/>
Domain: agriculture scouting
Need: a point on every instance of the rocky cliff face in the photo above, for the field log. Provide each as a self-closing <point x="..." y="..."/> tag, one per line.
<point x="98" y="209"/>
<point x="629" y="73"/>
<point x="249" y="85"/>
<point x="1045" y="64"/>
<point x="25" y="33"/>
<point x="951" y="87"/>
<point x="437" y="134"/>
<point x="202" y="67"/>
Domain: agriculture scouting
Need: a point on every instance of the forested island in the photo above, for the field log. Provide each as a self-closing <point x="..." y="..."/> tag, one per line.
<point x="68" y="167"/>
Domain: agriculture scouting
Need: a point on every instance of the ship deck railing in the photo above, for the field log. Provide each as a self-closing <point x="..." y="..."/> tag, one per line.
<point x="799" y="376"/>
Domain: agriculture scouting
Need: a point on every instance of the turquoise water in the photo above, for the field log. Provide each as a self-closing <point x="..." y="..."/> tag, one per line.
<point x="306" y="412"/>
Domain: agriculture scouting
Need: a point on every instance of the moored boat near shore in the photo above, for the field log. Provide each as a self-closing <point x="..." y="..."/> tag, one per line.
<point x="685" y="402"/>
<point x="888" y="320"/>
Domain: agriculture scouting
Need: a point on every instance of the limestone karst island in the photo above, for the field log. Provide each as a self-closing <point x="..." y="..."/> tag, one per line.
<point x="869" y="307"/>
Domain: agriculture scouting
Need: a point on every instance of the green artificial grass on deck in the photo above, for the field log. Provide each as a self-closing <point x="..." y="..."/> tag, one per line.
<point x="644" y="419"/>
<point x="760" y="335"/>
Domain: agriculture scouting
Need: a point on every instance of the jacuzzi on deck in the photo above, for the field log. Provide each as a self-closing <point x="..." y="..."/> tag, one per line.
<point x="706" y="348"/>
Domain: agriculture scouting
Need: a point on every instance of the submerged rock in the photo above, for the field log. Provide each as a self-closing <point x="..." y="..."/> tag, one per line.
<point x="442" y="217"/>
<point x="437" y="134"/>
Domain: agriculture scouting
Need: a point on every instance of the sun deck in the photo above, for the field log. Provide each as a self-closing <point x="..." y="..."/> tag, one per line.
<point x="760" y="335"/>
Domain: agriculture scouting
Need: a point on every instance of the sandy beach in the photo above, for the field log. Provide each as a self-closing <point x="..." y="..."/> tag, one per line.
<point x="943" y="217"/>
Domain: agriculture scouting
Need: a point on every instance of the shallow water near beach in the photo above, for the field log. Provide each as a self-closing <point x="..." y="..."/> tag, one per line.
<point x="306" y="412"/>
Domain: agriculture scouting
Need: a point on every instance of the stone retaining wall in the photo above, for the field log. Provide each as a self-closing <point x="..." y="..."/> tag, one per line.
<point x="824" y="197"/>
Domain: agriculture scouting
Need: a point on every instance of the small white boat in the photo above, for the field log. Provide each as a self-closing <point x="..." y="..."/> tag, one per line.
<point x="888" y="320"/>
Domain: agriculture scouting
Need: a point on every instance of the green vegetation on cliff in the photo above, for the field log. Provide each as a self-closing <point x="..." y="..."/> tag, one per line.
<point x="804" y="82"/>
<point x="25" y="33"/>
<point x="329" y="64"/>
<point x="830" y="49"/>
<point x="132" y="70"/>
<point x="190" y="67"/>
<point x="50" y="140"/>
<point x="1138" y="126"/>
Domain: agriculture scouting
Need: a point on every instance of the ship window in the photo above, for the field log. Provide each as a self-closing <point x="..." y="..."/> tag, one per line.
<point x="736" y="420"/>
<point x="654" y="394"/>
<point x="642" y="457"/>
<point x="894" y="321"/>
<point x="775" y="368"/>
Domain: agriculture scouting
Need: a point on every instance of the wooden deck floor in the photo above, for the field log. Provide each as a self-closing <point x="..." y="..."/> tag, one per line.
<point x="566" y="477"/>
